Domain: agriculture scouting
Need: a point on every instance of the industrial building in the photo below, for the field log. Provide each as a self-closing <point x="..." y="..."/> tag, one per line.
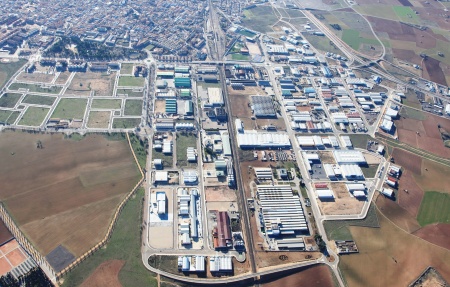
<point x="182" y="83"/>
<point x="325" y="194"/>
<point x="388" y="192"/>
<point x="254" y="139"/>
<point x="282" y="214"/>
<point x="191" y="155"/>
<point x="352" y="171"/>
<point x="191" y="264"/>
<point x="262" y="106"/>
<point x="190" y="177"/>
<point x="215" y="97"/>
<point x="222" y="233"/>
<point x="171" y="106"/>
<point x="263" y="173"/>
<point x="349" y="157"/>
<point x="161" y="202"/>
<point x="220" y="264"/>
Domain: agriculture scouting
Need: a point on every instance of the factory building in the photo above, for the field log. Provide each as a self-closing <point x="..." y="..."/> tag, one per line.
<point x="352" y="171"/>
<point x="222" y="233"/>
<point x="262" y="106"/>
<point x="349" y="157"/>
<point x="171" y="106"/>
<point x="263" y="173"/>
<point x="161" y="202"/>
<point x="215" y="97"/>
<point x="254" y="139"/>
<point x="191" y="155"/>
<point x="191" y="264"/>
<point x="182" y="83"/>
<point x="282" y="214"/>
<point x="220" y="264"/>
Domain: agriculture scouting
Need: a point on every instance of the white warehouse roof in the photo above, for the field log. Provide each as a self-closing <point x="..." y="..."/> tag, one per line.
<point x="325" y="193"/>
<point x="349" y="156"/>
<point x="256" y="139"/>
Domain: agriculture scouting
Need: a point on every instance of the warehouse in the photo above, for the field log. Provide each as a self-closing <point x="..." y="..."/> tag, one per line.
<point x="161" y="202"/>
<point x="262" y="107"/>
<point x="253" y="139"/>
<point x="347" y="141"/>
<point x="182" y="83"/>
<point x="282" y="211"/>
<point x="263" y="173"/>
<point x="332" y="171"/>
<point x="388" y="192"/>
<point x="339" y="118"/>
<point x="191" y="154"/>
<point x="188" y="108"/>
<point x="167" y="147"/>
<point x="192" y="263"/>
<point x="171" y="106"/>
<point x="355" y="186"/>
<point x="325" y="194"/>
<point x="215" y="97"/>
<point x="220" y="264"/>
<point x="190" y="177"/>
<point x="185" y="93"/>
<point x="352" y="171"/>
<point x="349" y="157"/>
<point x="222" y="233"/>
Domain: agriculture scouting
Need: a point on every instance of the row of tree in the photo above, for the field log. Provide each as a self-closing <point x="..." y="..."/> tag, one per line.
<point x="34" y="278"/>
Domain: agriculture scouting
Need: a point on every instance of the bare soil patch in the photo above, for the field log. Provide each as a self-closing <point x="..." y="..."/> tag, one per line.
<point x="397" y="214"/>
<point x="84" y="83"/>
<point x="434" y="71"/>
<point x="316" y="276"/>
<point x="411" y="161"/>
<point x="409" y="193"/>
<point x="220" y="193"/>
<point x="35" y="77"/>
<point x="438" y="234"/>
<point x="343" y="203"/>
<point x="107" y="274"/>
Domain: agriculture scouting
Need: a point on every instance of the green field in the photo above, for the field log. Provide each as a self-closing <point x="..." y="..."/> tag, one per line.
<point x="412" y="114"/>
<point x="133" y="108"/>
<point x="126" y="68"/>
<point x="9" y="100"/>
<point x="124" y="245"/>
<point x="185" y="140"/>
<point x="247" y="33"/>
<point x="34" y="116"/>
<point x="7" y="70"/>
<point x="338" y="229"/>
<point x="259" y="18"/>
<point x="360" y="140"/>
<point x="240" y="57"/>
<point x="126" y="123"/>
<point x="369" y="171"/>
<point x="131" y="81"/>
<point x="323" y="43"/>
<point x="8" y="117"/>
<point x="406" y="14"/>
<point x="35" y="88"/>
<point x="106" y="104"/>
<point x="129" y="93"/>
<point x="435" y="208"/>
<point x="39" y="100"/>
<point x="70" y="109"/>
<point x="140" y="149"/>
<point x="354" y="40"/>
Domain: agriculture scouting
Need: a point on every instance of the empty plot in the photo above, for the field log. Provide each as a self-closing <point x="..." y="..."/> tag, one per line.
<point x="70" y="109"/>
<point x="99" y="119"/>
<point x="66" y="192"/>
<point x="9" y="100"/>
<point x="106" y="104"/>
<point x="101" y="84"/>
<point x="32" y="88"/>
<point x="125" y="123"/>
<point x="126" y="68"/>
<point x="8" y="117"/>
<point x="131" y="81"/>
<point x="129" y="93"/>
<point x="133" y="108"/>
<point x="34" y="116"/>
<point x="8" y="69"/>
<point x="35" y="77"/>
<point x="183" y="142"/>
<point x="260" y="18"/>
<point x="39" y="100"/>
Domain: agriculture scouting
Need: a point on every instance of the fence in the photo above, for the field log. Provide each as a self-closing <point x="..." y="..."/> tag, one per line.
<point x="113" y="221"/>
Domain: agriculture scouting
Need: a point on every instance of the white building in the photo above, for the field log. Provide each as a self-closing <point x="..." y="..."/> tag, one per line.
<point x="254" y="139"/>
<point x="161" y="202"/>
<point x="215" y="97"/>
<point x="263" y="173"/>
<point x="349" y="157"/>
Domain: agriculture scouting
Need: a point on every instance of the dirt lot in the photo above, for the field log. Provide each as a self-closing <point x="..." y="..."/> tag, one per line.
<point x="160" y="107"/>
<point x="35" y="77"/>
<point x="84" y="83"/>
<point x="240" y="100"/>
<point x="99" y="119"/>
<point x="343" y="202"/>
<point x="267" y="259"/>
<point x="326" y="157"/>
<point x="220" y="194"/>
<point x="399" y="256"/>
<point x="107" y="274"/>
<point x="314" y="276"/>
<point x="62" y="78"/>
<point x="436" y="233"/>
<point x="409" y="200"/>
<point x="66" y="192"/>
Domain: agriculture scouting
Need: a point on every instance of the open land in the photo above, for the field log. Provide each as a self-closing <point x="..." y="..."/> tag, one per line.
<point x="35" y="88"/>
<point x="8" y="117"/>
<point x="101" y="84"/>
<point x="123" y="247"/>
<point x="126" y="68"/>
<point x="316" y="276"/>
<point x="420" y="130"/>
<point x="131" y="81"/>
<point x="133" y="108"/>
<point x="126" y="123"/>
<point x="8" y="69"/>
<point x="260" y="18"/>
<point x="39" y="100"/>
<point x="106" y="104"/>
<point x="73" y="108"/>
<point x="183" y="141"/>
<point x="67" y="191"/>
<point x="35" y="77"/>
<point x="99" y="119"/>
<point x="9" y="100"/>
<point x="393" y="253"/>
<point x="34" y="116"/>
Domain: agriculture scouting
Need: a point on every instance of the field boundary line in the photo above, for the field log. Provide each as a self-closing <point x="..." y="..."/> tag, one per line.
<point x="25" y="244"/>
<point x="112" y="225"/>
<point x="393" y="223"/>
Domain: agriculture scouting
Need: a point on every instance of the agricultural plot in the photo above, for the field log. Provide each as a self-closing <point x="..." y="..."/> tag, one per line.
<point x="34" y="116"/>
<point x="125" y="123"/>
<point x="8" y="69"/>
<point x="114" y="104"/>
<point x="99" y="119"/>
<point x="421" y="130"/>
<point x="260" y="18"/>
<point x="39" y="100"/>
<point x="398" y="255"/>
<point x="71" y="213"/>
<point x="131" y="81"/>
<point x="435" y="208"/>
<point x="34" y="88"/>
<point x="83" y="84"/>
<point x="9" y="100"/>
<point x="70" y="109"/>
<point x="133" y="108"/>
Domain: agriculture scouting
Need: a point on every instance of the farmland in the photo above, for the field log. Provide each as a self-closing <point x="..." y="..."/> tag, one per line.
<point x="393" y="253"/>
<point x="435" y="208"/>
<point x="260" y="18"/>
<point x="122" y="250"/>
<point x="67" y="191"/>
